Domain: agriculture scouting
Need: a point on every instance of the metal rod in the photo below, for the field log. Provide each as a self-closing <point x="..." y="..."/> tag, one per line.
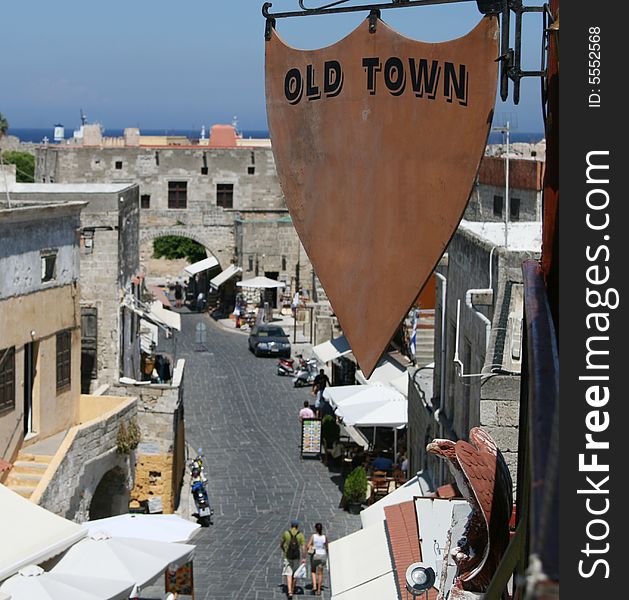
<point x="333" y="9"/>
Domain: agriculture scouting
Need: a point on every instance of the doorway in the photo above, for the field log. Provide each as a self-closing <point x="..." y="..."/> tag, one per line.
<point x="30" y="370"/>
<point x="270" y="294"/>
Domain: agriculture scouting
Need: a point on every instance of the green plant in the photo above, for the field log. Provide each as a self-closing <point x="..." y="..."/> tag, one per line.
<point x="330" y="431"/>
<point x="355" y="489"/>
<point x="174" y="246"/>
<point x="24" y="163"/>
<point x="128" y="438"/>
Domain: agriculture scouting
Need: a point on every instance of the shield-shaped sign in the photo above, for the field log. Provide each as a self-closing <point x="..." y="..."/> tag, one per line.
<point x="377" y="140"/>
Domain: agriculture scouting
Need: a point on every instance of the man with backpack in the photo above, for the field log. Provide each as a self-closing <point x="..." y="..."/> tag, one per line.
<point x="293" y="546"/>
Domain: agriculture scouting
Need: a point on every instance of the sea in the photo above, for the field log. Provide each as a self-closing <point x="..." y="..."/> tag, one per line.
<point x="36" y="135"/>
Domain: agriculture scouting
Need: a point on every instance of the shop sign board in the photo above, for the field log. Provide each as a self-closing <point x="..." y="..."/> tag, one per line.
<point x="377" y="140"/>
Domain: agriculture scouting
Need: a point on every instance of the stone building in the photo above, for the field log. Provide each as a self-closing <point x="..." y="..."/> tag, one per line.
<point x="478" y="323"/>
<point x="222" y="192"/>
<point x="488" y="200"/>
<point x="109" y="256"/>
<point x="58" y="446"/>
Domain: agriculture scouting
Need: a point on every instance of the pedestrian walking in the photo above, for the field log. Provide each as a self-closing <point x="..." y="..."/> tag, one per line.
<point x="178" y="294"/>
<point x="293" y="546"/>
<point x="318" y="551"/>
<point x="321" y="381"/>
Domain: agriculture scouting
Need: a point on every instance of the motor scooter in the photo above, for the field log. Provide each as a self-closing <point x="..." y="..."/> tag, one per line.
<point x="286" y="366"/>
<point x="198" y="489"/>
<point x="306" y="373"/>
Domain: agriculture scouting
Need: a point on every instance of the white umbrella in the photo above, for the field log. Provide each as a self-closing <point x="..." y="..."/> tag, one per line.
<point x="377" y="414"/>
<point x="123" y="559"/>
<point x="367" y="394"/>
<point x="158" y="528"/>
<point x="261" y="282"/>
<point x="33" y="583"/>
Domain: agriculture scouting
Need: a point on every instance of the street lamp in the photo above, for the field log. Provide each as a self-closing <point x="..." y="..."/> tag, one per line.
<point x="419" y="579"/>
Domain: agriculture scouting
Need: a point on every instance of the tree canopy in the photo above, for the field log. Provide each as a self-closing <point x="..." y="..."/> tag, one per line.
<point x="24" y="163"/>
<point x="174" y="246"/>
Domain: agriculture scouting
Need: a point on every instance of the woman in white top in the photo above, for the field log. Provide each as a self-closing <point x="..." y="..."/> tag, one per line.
<point x="318" y="551"/>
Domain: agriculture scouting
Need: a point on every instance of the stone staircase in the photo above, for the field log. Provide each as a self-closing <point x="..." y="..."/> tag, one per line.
<point x="425" y="340"/>
<point x="31" y="464"/>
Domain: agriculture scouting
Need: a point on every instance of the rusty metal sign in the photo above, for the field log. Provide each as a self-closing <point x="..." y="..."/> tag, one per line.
<point x="377" y="140"/>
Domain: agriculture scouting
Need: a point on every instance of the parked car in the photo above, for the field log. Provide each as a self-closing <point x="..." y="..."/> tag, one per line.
<point x="269" y="339"/>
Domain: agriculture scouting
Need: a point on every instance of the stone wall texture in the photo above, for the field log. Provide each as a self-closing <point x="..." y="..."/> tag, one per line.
<point x="90" y="453"/>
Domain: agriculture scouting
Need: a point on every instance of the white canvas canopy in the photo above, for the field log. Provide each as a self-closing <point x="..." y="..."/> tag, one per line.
<point x="224" y="276"/>
<point x="158" y="528"/>
<point x="167" y="317"/>
<point x="35" y="534"/>
<point x="393" y="413"/>
<point x="359" y="394"/>
<point x="374" y="578"/>
<point x="123" y="559"/>
<point x="33" y="583"/>
<point x="201" y="265"/>
<point x="332" y="349"/>
<point x="386" y="371"/>
<point x="260" y="283"/>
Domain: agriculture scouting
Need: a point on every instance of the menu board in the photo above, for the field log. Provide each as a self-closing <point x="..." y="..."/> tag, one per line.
<point x="311" y="437"/>
<point x="181" y="580"/>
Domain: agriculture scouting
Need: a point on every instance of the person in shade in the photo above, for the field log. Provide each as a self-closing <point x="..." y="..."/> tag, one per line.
<point x="306" y="412"/>
<point x="293" y="546"/>
<point x="318" y="551"/>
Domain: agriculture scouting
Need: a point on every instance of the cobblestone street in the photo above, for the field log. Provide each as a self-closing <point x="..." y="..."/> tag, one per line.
<point x="244" y="416"/>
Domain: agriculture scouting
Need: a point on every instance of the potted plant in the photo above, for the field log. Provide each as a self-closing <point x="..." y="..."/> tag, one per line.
<point x="355" y="489"/>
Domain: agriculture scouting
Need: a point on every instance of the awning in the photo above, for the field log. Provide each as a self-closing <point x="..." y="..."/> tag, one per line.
<point x="387" y="370"/>
<point x="148" y="336"/>
<point x="415" y="487"/>
<point x="224" y="276"/>
<point x="202" y="265"/>
<point x="357" y="564"/>
<point x="261" y="282"/>
<point x="165" y="317"/>
<point x="35" y="534"/>
<point x="335" y="394"/>
<point x="332" y="349"/>
<point x="393" y="413"/>
<point x="355" y="436"/>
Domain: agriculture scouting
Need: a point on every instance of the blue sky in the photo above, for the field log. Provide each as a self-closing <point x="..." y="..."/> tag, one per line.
<point x="165" y="64"/>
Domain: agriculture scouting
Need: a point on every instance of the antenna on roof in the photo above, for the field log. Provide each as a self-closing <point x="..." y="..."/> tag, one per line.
<point x="83" y="118"/>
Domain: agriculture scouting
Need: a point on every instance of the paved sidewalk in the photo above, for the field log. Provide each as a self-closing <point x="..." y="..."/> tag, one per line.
<point x="244" y="416"/>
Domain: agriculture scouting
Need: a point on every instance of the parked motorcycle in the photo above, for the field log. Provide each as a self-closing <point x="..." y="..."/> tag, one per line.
<point x="287" y="366"/>
<point x="198" y="488"/>
<point x="306" y="373"/>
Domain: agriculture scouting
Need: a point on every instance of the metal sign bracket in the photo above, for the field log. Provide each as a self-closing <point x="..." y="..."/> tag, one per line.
<point x="510" y="57"/>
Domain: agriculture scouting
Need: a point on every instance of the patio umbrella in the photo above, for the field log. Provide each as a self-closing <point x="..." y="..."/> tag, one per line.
<point x="158" y="528"/>
<point x="122" y="559"/>
<point x="261" y="282"/>
<point x="368" y="394"/>
<point x="33" y="583"/>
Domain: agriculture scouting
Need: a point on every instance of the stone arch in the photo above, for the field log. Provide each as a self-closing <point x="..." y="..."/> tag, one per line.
<point x="148" y="235"/>
<point x="111" y="496"/>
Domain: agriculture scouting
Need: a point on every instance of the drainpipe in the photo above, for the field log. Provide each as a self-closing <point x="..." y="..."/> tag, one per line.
<point x="442" y="360"/>
<point x="480" y="296"/>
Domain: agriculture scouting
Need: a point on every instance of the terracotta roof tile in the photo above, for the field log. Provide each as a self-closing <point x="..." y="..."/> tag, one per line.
<point x="403" y="532"/>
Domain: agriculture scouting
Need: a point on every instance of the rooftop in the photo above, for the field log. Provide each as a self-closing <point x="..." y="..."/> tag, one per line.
<point x="522" y="237"/>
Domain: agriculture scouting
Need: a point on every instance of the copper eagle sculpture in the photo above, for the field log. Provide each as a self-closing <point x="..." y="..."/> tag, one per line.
<point x="483" y="478"/>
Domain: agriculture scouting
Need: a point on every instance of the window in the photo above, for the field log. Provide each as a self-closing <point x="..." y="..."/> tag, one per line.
<point x="145" y="201"/>
<point x="204" y="170"/>
<point x="7" y="379"/>
<point x="177" y="194"/>
<point x="64" y="359"/>
<point x="225" y="195"/>
<point x="89" y="343"/>
<point x="48" y="266"/>
<point x="251" y="170"/>
<point x="514" y="209"/>
<point x="283" y="263"/>
<point x="497" y="206"/>
<point x="250" y="264"/>
<point x="118" y="165"/>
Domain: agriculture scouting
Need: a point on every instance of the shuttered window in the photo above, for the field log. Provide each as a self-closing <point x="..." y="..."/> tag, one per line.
<point x="7" y="379"/>
<point x="64" y="359"/>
